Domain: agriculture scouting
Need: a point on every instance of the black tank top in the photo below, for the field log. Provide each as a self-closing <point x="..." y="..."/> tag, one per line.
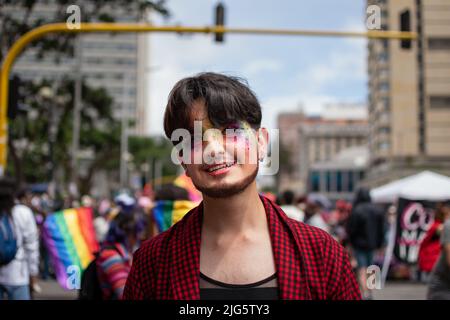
<point x="265" y="289"/>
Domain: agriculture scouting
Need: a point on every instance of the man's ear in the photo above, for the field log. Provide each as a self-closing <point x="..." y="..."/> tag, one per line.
<point x="263" y="142"/>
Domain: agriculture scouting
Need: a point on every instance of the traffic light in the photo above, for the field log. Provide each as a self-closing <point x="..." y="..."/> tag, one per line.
<point x="14" y="97"/>
<point x="220" y="21"/>
<point x="405" y="25"/>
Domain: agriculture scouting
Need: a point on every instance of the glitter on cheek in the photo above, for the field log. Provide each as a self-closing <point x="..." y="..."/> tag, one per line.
<point x="244" y="134"/>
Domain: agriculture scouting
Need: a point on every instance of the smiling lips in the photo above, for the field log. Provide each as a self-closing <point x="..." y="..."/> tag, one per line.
<point x="218" y="169"/>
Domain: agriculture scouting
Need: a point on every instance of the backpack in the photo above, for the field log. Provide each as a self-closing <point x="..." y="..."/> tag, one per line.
<point x="90" y="288"/>
<point x="8" y="241"/>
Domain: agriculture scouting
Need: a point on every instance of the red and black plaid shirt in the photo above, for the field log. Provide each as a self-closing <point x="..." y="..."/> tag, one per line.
<point x="310" y="264"/>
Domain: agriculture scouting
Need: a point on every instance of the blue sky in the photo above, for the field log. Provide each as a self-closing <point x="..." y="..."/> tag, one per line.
<point x="285" y="72"/>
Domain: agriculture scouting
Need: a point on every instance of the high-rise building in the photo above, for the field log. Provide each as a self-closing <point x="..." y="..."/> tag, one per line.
<point x="116" y="62"/>
<point x="409" y="91"/>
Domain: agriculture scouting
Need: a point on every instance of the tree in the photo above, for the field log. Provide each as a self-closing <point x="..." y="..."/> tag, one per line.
<point x="146" y="149"/>
<point x="27" y="143"/>
<point x="99" y="134"/>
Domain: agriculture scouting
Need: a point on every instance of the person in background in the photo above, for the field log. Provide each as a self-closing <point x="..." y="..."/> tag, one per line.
<point x="24" y="197"/>
<point x="338" y="221"/>
<point x="19" y="274"/>
<point x="439" y="283"/>
<point x="101" y="222"/>
<point x="366" y="233"/>
<point x="430" y="248"/>
<point x="287" y="205"/>
<point x="114" y="259"/>
<point x="313" y="216"/>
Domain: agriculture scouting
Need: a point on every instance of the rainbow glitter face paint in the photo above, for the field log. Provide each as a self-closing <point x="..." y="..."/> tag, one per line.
<point x="241" y="140"/>
<point x="235" y="142"/>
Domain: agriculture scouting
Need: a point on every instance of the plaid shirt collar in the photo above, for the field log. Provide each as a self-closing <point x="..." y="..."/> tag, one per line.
<point x="292" y="281"/>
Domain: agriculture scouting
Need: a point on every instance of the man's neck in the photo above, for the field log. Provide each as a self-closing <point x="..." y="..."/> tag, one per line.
<point x="236" y="214"/>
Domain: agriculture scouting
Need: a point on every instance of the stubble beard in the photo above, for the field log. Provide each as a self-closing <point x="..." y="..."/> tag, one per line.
<point x="228" y="190"/>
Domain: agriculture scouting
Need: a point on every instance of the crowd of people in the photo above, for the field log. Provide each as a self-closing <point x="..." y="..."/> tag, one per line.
<point x="359" y="226"/>
<point x="363" y="228"/>
<point x="120" y="224"/>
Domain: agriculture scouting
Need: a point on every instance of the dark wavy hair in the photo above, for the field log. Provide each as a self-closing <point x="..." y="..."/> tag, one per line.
<point x="126" y="224"/>
<point x="227" y="99"/>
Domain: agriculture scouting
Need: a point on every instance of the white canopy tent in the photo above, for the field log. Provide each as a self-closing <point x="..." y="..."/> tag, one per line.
<point x="426" y="185"/>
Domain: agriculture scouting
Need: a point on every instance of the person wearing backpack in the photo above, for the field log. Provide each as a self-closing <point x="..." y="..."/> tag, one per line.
<point x="19" y="246"/>
<point x="105" y="277"/>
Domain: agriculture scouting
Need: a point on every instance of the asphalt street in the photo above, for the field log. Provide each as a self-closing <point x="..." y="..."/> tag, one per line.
<point x="392" y="291"/>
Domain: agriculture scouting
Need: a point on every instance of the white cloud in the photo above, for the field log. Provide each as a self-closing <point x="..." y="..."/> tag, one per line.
<point x="261" y="66"/>
<point x="309" y="103"/>
<point x="176" y="57"/>
<point x="347" y="64"/>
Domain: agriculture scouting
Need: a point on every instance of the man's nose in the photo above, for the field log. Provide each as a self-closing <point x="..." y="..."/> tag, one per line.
<point x="214" y="143"/>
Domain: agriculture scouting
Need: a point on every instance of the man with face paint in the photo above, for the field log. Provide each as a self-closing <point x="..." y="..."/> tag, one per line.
<point x="236" y="244"/>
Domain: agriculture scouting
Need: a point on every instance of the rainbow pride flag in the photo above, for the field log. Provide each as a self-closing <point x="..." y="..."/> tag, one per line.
<point x="183" y="181"/>
<point x="69" y="237"/>
<point x="166" y="213"/>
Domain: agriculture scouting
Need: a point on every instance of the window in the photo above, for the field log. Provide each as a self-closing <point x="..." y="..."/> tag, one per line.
<point x="439" y="102"/>
<point x="315" y="181"/>
<point x="339" y="181"/>
<point x="382" y="146"/>
<point x="383" y="86"/>
<point x="439" y="43"/>
<point x="351" y="185"/>
<point x="384" y="130"/>
<point x="328" y="181"/>
<point x="405" y="25"/>
<point x="382" y="57"/>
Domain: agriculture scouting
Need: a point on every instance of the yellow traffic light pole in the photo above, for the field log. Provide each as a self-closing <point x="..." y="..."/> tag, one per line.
<point x="39" y="32"/>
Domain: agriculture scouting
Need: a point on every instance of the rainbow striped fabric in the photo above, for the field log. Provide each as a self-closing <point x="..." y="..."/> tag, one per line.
<point x="69" y="237"/>
<point x="166" y="213"/>
<point x="183" y="181"/>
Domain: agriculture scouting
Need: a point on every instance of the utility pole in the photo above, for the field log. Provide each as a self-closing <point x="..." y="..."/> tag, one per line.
<point x="124" y="137"/>
<point x="76" y="114"/>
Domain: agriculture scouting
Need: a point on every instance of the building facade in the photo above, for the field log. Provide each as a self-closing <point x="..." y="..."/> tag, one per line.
<point x="309" y="140"/>
<point x="116" y="62"/>
<point x="339" y="177"/>
<point x="409" y="91"/>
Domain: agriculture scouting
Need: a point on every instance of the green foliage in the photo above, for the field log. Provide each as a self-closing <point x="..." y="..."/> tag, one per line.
<point x="15" y="17"/>
<point x="146" y="149"/>
<point x="28" y="142"/>
<point x="99" y="131"/>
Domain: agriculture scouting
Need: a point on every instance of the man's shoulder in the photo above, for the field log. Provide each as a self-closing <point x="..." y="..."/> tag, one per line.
<point x="309" y="232"/>
<point x="314" y="238"/>
<point x="152" y="245"/>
